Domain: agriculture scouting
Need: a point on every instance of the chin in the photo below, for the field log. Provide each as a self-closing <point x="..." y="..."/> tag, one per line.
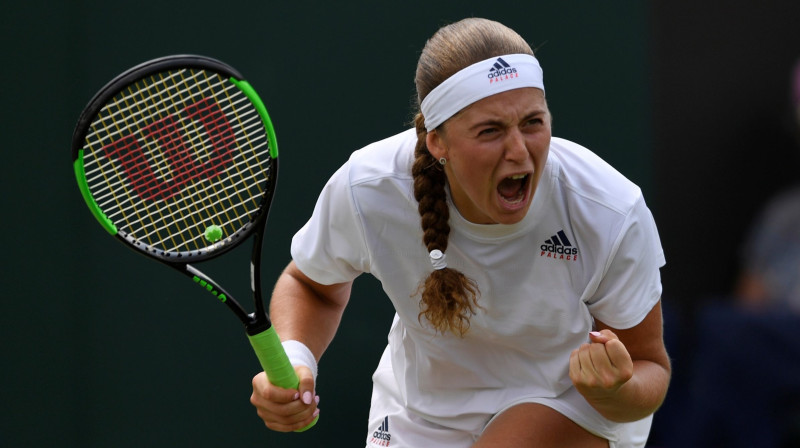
<point x="511" y="217"/>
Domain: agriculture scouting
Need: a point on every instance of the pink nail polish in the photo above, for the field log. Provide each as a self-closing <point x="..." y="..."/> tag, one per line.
<point x="596" y="334"/>
<point x="307" y="397"/>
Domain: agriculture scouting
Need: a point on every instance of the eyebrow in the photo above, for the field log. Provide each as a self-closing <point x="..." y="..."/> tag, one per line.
<point x="496" y="122"/>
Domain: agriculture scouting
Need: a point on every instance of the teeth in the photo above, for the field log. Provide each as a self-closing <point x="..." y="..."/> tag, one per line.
<point x="517" y="176"/>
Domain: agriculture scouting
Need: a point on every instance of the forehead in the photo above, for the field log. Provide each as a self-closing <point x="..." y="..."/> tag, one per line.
<point x="525" y="101"/>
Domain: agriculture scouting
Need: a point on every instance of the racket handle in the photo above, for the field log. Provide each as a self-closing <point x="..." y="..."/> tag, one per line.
<point x="275" y="363"/>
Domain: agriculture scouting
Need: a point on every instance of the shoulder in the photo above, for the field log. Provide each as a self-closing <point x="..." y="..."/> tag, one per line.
<point x="375" y="175"/>
<point x="583" y="174"/>
<point x="391" y="157"/>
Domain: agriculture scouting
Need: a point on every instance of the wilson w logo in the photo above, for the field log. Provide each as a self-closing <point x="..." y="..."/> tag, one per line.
<point x="178" y="164"/>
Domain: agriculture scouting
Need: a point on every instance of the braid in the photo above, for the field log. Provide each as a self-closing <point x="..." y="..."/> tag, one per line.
<point x="429" y="182"/>
<point x="448" y="297"/>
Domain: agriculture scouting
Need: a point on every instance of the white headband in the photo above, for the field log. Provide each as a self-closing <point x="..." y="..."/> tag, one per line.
<point x="478" y="81"/>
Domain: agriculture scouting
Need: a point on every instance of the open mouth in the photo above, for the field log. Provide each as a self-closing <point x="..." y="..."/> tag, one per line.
<point x="513" y="189"/>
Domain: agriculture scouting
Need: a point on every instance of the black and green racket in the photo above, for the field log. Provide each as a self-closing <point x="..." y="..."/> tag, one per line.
<point x="177" y="159"/>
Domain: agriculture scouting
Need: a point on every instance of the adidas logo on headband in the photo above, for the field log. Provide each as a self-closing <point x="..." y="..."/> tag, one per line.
<point x="501" y="70"/>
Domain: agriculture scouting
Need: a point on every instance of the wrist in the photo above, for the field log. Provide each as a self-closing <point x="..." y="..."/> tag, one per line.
<point x="300" y="355"/>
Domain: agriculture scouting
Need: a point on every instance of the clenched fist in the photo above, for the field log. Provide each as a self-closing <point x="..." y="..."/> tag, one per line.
<point x="599" y="368"/>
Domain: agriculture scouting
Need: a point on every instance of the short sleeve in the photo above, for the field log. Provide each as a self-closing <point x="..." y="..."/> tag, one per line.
<point x="631" y="286"/>
<point x="330" y="247"/>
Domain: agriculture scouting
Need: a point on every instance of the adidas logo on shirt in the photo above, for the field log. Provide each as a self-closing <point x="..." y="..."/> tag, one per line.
<point x="381" y="436"/>
<point x="559" y="247"/>
<point x="501" y="70"/>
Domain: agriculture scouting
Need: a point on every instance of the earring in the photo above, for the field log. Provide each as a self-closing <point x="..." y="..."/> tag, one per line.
<point x="442" y="161"/>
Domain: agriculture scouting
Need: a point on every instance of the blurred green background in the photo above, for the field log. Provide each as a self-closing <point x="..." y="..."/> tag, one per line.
<point x="102" y="347"/>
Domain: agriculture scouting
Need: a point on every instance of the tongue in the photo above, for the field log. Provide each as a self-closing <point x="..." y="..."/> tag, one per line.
<point x="509" y="188"/>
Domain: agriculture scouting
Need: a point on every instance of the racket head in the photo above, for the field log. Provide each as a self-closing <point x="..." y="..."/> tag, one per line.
<point x="177" y="158"/>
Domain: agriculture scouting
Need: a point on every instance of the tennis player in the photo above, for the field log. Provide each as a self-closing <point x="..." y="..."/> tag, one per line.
<point x="523" y="269"/>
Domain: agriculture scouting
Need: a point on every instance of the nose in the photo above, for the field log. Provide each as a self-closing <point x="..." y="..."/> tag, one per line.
<point x="515" y="148"/>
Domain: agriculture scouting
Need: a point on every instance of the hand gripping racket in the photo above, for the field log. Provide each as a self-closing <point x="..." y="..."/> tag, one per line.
<point x="177" y="159"/>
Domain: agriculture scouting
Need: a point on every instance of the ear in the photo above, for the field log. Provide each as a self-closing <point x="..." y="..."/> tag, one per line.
<point x="436" y="145"/>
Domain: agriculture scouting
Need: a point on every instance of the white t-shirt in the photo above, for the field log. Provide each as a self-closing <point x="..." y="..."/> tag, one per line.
<point x="588" y="248"/>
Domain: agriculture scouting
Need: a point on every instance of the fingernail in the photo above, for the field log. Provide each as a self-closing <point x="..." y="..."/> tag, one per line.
<point x="296" y="396"/>
<point x="316" y="399"/>
<point x="596" y="333"/>
<point x="307" y="397"/>
<point x="316" y="413"/>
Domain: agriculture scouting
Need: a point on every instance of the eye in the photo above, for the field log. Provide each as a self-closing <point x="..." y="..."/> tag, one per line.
<point x="533" y="125"/>
<point x="534" y="122"/>
<point x="487" y="131"/>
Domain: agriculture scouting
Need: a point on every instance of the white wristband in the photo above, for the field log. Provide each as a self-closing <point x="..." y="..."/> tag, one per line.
<point x="300" y="355"/>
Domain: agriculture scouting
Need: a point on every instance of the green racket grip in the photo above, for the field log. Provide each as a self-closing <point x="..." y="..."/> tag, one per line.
<point x="275" y="363"/>
<point x="273" y="359"/>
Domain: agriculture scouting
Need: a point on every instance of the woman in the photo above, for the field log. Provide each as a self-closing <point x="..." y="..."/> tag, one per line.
<point x="523" y="269"/>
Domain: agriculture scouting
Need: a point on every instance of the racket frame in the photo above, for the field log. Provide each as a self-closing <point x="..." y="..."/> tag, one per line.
<point x="257" y="324"/>
<point x="256" y="321"/>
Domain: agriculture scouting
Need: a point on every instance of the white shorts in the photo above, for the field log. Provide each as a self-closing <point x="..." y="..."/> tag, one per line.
<point x="392" y="425"/>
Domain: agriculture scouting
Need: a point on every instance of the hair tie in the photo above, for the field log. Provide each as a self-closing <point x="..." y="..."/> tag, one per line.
<point x="438" y="259"/>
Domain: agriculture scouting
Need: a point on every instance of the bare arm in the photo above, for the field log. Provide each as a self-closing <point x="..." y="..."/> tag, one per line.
<point x="624" y="374"/>
<point x="303" y="310"/>
<point x="306" y="311"/>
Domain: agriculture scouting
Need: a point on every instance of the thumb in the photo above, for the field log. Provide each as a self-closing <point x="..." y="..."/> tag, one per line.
<point x="306" y="387"/>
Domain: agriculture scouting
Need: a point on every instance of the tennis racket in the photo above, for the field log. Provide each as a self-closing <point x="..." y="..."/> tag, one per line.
<point x="177" y="159"/>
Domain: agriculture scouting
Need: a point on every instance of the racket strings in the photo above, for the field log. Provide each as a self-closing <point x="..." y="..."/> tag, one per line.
<point x="206" y="202"/>
<point x="150" y="112"/>
<point x="166" y="220"/>
<point x="157" y="156"/>
<point x="251" y="124"/>
<point x="176" y="153"/>
<point x="223" y="212"/>
<point x="105" y="195"/>
<point x="195" y="197"/>
<point x="247" y="138"/>
<point x="135" y="114"/>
